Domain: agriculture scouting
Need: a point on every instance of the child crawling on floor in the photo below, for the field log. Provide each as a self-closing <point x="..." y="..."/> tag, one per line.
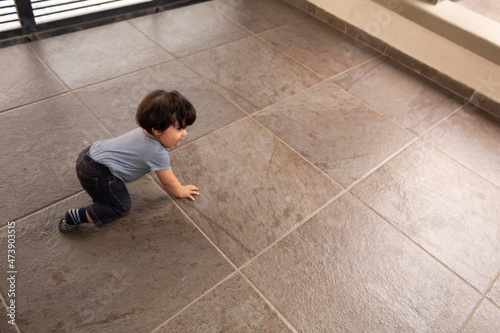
<point x="105" y="166"/>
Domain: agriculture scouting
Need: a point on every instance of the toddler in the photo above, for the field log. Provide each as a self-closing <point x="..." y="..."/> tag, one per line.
<point x="105" y="166"/>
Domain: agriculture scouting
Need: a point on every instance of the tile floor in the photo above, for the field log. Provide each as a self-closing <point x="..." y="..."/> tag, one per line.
<point x="340" y="192"/>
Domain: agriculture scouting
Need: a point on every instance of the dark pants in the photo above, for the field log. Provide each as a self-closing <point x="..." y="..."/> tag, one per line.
<point x="109" y="193"/>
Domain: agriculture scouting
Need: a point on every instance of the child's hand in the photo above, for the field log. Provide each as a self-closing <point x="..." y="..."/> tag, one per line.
<point x="174" y="187"/>
<point x="189" y="191"/>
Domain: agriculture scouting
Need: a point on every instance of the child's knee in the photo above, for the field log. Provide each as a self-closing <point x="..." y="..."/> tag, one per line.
<point x="127" y="209"/>
<point x="123" y="205"/>
<point x="124" y="209"/>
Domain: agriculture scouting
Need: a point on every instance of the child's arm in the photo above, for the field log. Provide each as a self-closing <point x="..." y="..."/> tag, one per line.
<point x="174" y="187"/>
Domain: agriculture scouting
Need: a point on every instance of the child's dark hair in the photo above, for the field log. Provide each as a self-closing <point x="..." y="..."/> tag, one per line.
<point x="160" y="110"/>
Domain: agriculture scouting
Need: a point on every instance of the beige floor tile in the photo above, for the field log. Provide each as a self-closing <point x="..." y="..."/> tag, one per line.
<point x="22" y="74"/>
<point x="253" y="189"/>
<point x="40" y="145"/>
<point x="347" y="270"/>
<point x="329" y="127"/>
<point x="320" y="47"/>
<point x="252" y="73"/>
<point x="189" y="29"/>
<point x="258" y="15"/>
<point x="471" y="137"/>
<point x="99" y="54"/>
<point x="403" y="96"/>
<point x="444" y="207"/>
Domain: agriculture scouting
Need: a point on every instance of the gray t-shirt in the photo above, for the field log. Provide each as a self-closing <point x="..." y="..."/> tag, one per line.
<point x="131" y="155"/>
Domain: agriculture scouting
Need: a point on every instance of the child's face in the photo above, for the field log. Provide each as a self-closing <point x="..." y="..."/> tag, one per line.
<point x="171" y="137"/>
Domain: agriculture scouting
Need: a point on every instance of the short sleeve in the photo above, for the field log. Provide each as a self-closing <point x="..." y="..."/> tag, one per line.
<point x="160" y="161"/>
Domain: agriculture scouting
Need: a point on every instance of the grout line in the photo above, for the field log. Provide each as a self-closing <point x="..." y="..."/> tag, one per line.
<point x="337" y="29"/>
<point x="209" y="84"/>
<point x="469" y="318"/>
<point x="71" y="91"/>
<point x="119" y="76"/>
<point x="237" y="271"/>
<point x="464" y="166"/>
<point x="76" y="89"/>
<point x="194" y="224"/>
<point x="228" y="18"/>
<point x="349" y="37"/>
<point x="195" y="301"/>
<point x="401" y="150"/>
<point x="148" y="37"/>
<point x="286" y="25"/>
<point x="372" y="108"/>
<point x="493" y="303"/>
<point x="15" y="108"/>
<point x="296" y="152"/>
<point x="50" y="205"/>
<point x="297" y="226"/>
<point x="252" y="35"/>
<point x="214" y="87"/>
<point x="453" y="158"/>
<point x="49" y="69"/>
<point x="432" y="128"/>
<point x="304" y="220"/>
<point x="382" y="164"/>
<point x="420" y="138"/>
<point x="46" y="65"/>
<point x="209" y="134"/>
<point x="273" y="308"/>
<point x="354" y="67"/>
<point x="2" y="301"/>
<point x="303" y="91"/>
<point x="258" y="36"/>
<point x="205" y="4"/>
<point x="417" y="244"/>
<point x="222" y="13"/>
<point x="492" y="286"/>
<point x="294" y="228"/>
<point x="289" y="56"/>
<point x="92" y="114"/>
<point x="406" y="146"/>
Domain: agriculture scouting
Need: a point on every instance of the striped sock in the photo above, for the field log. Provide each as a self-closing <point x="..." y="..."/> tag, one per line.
<point x="76" y="216"/>
<point x="72" y="218"/>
